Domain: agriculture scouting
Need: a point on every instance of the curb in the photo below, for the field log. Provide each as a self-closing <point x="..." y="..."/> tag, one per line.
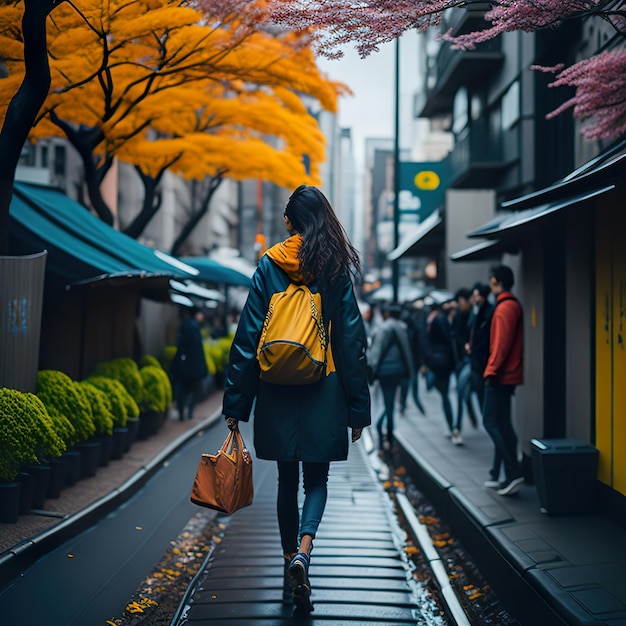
<point x="516" y="588"/>
<point x="24" y="554"/>
<point x="453" y="606"/>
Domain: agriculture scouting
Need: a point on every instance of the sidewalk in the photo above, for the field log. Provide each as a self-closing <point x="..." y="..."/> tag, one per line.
<point x="89" y="499"/>
<point x="568" y="569"/>
<point x="561" y="570"/>
<point x="359" y="572"/>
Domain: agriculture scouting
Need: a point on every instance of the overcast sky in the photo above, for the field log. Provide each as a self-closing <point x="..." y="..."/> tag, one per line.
<point x="370" y="111"/>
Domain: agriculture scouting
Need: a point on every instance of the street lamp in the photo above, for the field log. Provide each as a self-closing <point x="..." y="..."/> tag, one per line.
<point x="396" y="177"/>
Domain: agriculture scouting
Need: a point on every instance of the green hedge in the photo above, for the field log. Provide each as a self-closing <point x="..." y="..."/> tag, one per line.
<point x="103" y="418"/>
<point x="62" y="399"/>
<point x="122" y="404"/>
<point x="126" y="371"/>
<point x="27" y="432"/>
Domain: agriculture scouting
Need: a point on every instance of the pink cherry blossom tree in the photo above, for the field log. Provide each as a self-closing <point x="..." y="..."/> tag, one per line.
<point x="599" y="82"/>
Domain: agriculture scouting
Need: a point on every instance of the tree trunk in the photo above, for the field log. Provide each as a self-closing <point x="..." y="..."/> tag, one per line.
<point x="24" y="106"/>
<point x="151" y="204"/>
<point x="85" y="141"/>
<point x="195" y="218"/>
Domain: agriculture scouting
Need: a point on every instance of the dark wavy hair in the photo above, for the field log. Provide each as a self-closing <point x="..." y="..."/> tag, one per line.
<point x="326" y="254"/>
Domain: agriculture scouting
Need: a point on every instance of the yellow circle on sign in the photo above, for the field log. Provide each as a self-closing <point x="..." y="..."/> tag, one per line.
<point x="427" y="180"/>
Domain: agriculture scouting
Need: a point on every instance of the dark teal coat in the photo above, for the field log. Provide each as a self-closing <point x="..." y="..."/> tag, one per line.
<point x="300" y="422"/>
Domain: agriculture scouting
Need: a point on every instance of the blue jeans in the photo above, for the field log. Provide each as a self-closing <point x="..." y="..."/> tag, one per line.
<point x="497" y="422"/>
<point x="464" y="394"/>
<point x="292" y="528"/>
<point x="389" y="386"/>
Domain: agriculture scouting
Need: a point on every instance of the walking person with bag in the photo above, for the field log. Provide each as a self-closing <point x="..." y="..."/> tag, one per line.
<point x="303" y="423"/>
<point x="391" y="362"/>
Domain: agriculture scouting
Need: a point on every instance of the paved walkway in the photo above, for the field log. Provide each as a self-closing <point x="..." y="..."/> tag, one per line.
<point x="567" y="569"/>
<point x="548" y="570"/>
<point x="357" y="572"/>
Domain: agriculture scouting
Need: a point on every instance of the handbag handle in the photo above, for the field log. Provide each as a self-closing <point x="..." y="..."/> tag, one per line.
<point x="233" y="444"/>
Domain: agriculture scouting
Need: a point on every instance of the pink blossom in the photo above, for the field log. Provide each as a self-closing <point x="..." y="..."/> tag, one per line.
<point x="600" y="81"/>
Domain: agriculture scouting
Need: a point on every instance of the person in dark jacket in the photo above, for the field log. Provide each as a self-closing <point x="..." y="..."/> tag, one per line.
<point x="189" y="367"/>
<point x="478" y="344"/>
<point x="478" y="350"/>
<point x="504" y="371"/>
<point x="305" y="424"/>
<point x="391" y="362"/>
<point x="460" y="335"/>
<point x="439" y="357"/>
<point x="414" y="330"/>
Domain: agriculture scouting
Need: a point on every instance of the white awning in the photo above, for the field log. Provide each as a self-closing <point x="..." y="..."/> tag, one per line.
<point x="412" y="244"/>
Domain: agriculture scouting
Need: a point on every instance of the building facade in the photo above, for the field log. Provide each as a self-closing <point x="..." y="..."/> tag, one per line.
<point x="556" y="217"/>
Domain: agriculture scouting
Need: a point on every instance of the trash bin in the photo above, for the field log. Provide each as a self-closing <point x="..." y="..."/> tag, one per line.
<point x="565" y="474"/>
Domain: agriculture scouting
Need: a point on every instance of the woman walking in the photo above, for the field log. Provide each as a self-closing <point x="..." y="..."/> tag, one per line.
<point x="305" y="424"/>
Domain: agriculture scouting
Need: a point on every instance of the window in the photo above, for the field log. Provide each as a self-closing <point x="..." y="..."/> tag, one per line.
<point x="460" y="111"/>
<point x="476" y="106"/>
<point x="59" y="160"/>
<point x="511" y="106"/>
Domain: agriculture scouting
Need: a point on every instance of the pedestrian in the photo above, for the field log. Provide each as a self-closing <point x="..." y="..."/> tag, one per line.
<point x="439" y="358"/>
<point x="413" y="331"/>
<point x="478" y="350"/>
<point x="189" y="366"/>
<point x="390" y="362"/>
<point x="303" y="424"/>
<point x="478" y="344"/>
<point x="463" y="370"/>
<point x="503" y="372"/>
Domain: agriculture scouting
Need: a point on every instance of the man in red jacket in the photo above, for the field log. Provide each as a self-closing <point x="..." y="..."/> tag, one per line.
<point x="504" y="371"/>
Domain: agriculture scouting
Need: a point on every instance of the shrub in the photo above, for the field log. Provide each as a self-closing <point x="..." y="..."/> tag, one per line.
<point x="210" y="359"/>
<point x="60" y="396"/>
<point x="27" y="433"/>
<point x="124" y="370"/>
<point x="157" y="389"/>
<point x="122" y="405"/>
<point x="100" y="408"/>
<point x="168" y="357"/>
<point x="148" y="359"/>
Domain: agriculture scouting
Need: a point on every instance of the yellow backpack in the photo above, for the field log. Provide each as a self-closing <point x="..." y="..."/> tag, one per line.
<point x="293" y="343"/>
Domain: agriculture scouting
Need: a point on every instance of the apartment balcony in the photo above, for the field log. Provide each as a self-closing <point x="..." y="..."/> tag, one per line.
<point x="479" y="159"/>
<point x="455" y="68"/>
<point x="467" y="20"/>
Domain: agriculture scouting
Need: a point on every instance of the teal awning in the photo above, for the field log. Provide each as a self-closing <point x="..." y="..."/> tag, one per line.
<point x="80" y="246"/>
<point x="213" y="272"/>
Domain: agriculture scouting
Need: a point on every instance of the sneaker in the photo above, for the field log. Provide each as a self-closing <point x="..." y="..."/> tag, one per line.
<point x="510" y="487"/>
<point x="456" y="438"/>
<point x="298" y="573"/>
<point x="492" y="484"/>
<point x="287" y="591"/>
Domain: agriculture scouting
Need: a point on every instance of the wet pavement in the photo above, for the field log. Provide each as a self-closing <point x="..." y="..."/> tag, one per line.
<point x="358" y="572"/>
<point x="568" y="569"/>
<point x="561" y="569"/>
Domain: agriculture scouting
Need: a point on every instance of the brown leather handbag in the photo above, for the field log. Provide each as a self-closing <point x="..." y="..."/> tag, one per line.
<point x="224" y="480"/>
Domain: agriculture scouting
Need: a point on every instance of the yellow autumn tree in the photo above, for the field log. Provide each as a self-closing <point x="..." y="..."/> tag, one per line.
<point x="204" y="89"/>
